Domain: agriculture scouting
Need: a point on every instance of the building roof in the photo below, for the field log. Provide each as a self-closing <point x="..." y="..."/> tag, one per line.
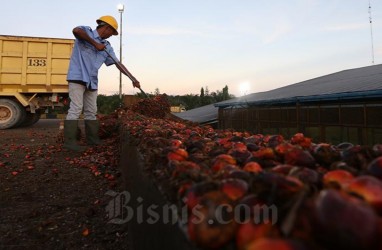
<point x="365" y="82"/>
<point x="359" y="83"/>
<point x="203" y="115"/>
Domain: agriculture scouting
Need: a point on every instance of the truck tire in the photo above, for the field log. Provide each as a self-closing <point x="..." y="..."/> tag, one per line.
<point x="30" y="119"/>
<point x="12" y="113"/>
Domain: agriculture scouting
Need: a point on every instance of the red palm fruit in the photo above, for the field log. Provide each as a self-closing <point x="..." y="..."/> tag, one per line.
<point x="176" y="143"/>
<point x="375" y="168"/>
<point x="226" y="143"/>
<point x="276" y="188"/>
<point x="246" y="134"/>
<point x="239" y="174"/>
<point x="254" y="209"/>
<point x="297" y="138"/>
<point x="234" y="188"/>
<point x="255" y="139"/>
<point x="208" y="146"/>
<point x="182" y="167"/>
<point x="249" y="232"/>
<point x="306" y="143"/>
<point x="290" y="185"/>
<point x="275" y="140"/>
<point x="239" y="146"/>
<point x="337" y="178"/>
<point x="344" y="146"/>
<point x="240" y="156"/>
<point x="344" y="166"/>
<point x="245" y="207"/>
<point x="275" y="244"/>
<point x="306" y="175"/>
<point x="252" y="147"/>
<point x="344" y="222"/>
<point x="325" y="154"/>
<point x="253" y="167"/>
<point x="238" y="134"/>
<point x="358" y="157"/>
<point x="299" y="157"/>
<point x="225" y="171"/>
<point x="369" y="188"/>
<point x="321" y="170"/>
<point x="282" y="148"/>
<point x="182" y="188"/>
<point x="282" y="169"/>
<point x="196" y="192"/>
<point x="377" y="148"/>
<point x="177" y="154"/>
<point x="222" y="160"/>
<point x="212" y="225"/>
<point x="264" y="153"/>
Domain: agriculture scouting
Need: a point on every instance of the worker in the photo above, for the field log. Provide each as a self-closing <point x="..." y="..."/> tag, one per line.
<point x="90" y="51"/>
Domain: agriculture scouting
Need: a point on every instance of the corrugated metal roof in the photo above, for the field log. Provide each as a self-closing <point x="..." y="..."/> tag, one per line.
<point x="204" y="114"/>
<point x="353" y="83"/>
<point x="365" y="82"/>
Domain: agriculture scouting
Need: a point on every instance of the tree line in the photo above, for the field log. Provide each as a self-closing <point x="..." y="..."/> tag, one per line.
<point x="108" y="104"/>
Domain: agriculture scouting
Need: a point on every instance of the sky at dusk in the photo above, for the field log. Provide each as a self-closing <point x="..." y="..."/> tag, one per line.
<point x="180" y="46"/>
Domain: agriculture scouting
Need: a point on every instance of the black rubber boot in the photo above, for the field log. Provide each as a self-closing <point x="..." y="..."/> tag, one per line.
<point x="70" y="136"/>
<point x="91" y="131"/>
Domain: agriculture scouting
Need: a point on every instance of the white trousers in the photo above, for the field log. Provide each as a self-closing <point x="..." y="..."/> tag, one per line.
<point x="82" y="99"/>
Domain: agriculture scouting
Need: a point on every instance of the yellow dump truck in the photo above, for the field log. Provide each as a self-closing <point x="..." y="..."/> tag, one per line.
<point x="177" y="109"/>
<point x="32" y="77"/>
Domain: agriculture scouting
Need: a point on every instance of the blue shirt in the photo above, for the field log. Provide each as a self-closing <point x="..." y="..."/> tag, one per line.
<point x="86" y="60"/>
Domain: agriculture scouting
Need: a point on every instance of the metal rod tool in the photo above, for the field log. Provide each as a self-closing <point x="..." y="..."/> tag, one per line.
<point x="125" y="71"/>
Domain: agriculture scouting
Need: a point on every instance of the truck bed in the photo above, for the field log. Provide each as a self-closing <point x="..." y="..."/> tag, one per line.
<point x="34" y="64"/>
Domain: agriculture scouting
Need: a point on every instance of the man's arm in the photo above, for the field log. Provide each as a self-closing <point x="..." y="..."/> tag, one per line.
<point x="124" y="70"/>
<point x="81" y="34"/>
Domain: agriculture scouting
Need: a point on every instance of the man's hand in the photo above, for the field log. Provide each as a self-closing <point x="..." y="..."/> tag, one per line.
<point x="100" y="46"/>
<point x="136" y="83"/>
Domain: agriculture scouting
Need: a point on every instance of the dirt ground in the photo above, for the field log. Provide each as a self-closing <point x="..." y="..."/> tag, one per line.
<point x="51" y="198"/>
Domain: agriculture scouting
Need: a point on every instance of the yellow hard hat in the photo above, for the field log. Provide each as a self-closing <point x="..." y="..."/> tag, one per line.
<point x="111" y="21"/>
